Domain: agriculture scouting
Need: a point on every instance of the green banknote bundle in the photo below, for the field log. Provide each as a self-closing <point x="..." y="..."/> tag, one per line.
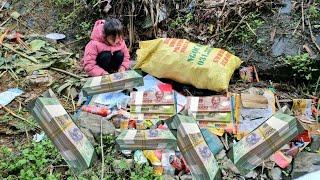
<point x="194" y="149"/>
<point x="73" y="145"/>
<point x="133" y="139"/>
<point x="261" y="143"/>
<point x="112" y="82"/>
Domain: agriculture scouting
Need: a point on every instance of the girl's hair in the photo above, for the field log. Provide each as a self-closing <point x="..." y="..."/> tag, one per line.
<point x="112" y="27"/>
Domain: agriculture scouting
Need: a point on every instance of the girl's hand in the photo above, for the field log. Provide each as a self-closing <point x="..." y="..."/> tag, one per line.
<point x="122" y="69"/>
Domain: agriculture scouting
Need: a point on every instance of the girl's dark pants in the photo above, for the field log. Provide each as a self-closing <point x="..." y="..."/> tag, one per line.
<point x="110" y="62"/>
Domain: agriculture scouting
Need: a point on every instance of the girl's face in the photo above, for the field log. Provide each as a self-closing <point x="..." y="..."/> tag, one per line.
<point x="112" y="40"/>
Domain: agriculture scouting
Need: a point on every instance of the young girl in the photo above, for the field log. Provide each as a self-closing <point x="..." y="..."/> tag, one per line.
<point x="106" y="52"/>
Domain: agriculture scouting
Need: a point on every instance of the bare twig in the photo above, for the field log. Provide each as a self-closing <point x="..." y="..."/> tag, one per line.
<point x="240" y="22"/>
<point x="302" y="16"/>
<point x="312" y="36"/>
<point x="66" y="72"/>
<point x="21" y="118"/>
<point x="102" y="153"/>
<point x="32" y="59"/>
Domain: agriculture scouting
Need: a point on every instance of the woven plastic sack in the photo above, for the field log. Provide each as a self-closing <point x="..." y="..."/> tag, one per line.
<point x="188" y="63"/>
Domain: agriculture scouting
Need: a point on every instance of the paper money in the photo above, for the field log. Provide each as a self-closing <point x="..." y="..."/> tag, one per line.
<point x="146" y="139"/>
<point x="213" y="117"/>
<point x="112" y="82"/>
<point x="208" y="104"/>
<point x="73" y="145"/>
<point x="194" y="149"/>
<point x="261" y="143"/>
<point x="151" y="98"/>
<point x="153" y="109"/>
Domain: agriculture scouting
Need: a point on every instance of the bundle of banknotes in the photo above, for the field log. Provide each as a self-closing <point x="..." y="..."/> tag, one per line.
<point x="216" y="113"/>
<point x="150" y="139"/>
<point x="194" y="148"/>
<point x="112" y="82"/>
<point x="152" y="102"/>
<point x="261" y="143"/>
<point x="73" y="145"/>
<point x="210" y="108"/>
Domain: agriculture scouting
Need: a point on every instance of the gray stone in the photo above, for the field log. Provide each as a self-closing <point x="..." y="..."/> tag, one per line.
<point x="93" y="123"/>
<point x="252" y="174"/>
<point x="318" y="39"/>
<point x="286" y="9"/>
<point x="315" y="143"/>
<point x="305" y="163"/>
<point x="285" y="46"/>
<point x="221" y="155"/>
<point x="275" y="173"/>
<point x="186" y="177"/>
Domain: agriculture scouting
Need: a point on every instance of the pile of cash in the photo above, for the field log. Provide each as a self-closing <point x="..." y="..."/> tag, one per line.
<point x="194" y="149"/>
<point x="261" y="143"/>
<point x="212" y="110"/>
<point x="73" y="145"/>
<point x="112" y="82"/>
<point x="150" y="139"/>
<point x="153" y="106"/>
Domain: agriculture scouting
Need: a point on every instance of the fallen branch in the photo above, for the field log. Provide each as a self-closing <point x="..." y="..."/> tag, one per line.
<point x="16" y="116"/>
<point x="66" y="72"/>
<point x="32" y="59"/>
<point x="312" y="36"/>
<point x="240" y="22"/>
<point x="102" y="153"/>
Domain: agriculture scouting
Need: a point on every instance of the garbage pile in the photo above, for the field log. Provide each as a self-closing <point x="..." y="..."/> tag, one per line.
<point x="209" y="137"/>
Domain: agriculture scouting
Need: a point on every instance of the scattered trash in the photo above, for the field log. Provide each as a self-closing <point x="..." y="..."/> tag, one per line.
<point x="40" y="77"/>
<point x="113" y="99"/>
<point x="39" y="137"/>
<point x="302" y="110"/>
<point x="9" y="95"/>
<point x="55" y="36"/>
<point x="212" y="140"/>
<point x="275" y="173"/>
<point x="99" y="110"/>
<point x="139" y="157"/>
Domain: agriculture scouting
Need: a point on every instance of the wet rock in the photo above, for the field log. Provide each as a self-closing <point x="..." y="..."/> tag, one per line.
<point x="230" y="166"/>
<point x="285" y="46"/>
<point x="286" y="9"/>
<point x="275" y="173"/>
<point x="305" y="163"/>
<point x="315" y="143"/>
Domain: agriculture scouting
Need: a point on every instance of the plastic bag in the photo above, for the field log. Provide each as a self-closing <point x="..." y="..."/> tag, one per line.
<point x="186" y="62"/>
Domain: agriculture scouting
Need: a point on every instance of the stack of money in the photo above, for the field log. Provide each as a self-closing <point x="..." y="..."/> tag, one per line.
<point x="153" y="106"/>
<point x="194" y="149"/>
<point x="150" y="139"/>
<point x="261" y="143"/>
<point x="112" y="82"/>
<point x="212" y="111"/>
<point x="152" y="102"/>
<point x="73" y="145"/>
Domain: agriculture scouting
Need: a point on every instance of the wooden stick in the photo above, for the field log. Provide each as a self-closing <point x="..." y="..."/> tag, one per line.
<point x="15" y="115"/>
<point x="256" y="73"/>
<point x="32" y="59"/>
<point x="312" y="37"/>
<point x="240" y="22"/>
<point x="302" y="16"/>
<point x="66" y="72"/>
<point x="102" y="153"/>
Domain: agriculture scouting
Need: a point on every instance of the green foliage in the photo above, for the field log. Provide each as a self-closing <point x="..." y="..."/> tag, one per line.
<point x="31" y="161"/>
<point x="303" y="66"/>
<point x="63" y="3"/>
<point x="181" y="20"/>
<point x="314" y="12"/>
<point x="246" y="31"/>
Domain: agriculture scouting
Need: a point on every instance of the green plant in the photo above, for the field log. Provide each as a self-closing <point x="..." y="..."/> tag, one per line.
<point x="179" y="21"/>
<point x="30" y="161"/>
<point x="246" y="31"/>
<point x="302" y="65"/>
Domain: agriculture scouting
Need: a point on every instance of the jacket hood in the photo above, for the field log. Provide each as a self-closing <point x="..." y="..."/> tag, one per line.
<point x="97" y="32"/>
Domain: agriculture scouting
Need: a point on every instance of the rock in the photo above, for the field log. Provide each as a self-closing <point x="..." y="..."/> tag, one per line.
<point x="304" y="163"/>
<point x="88" y="134"/>
<point x="318" y="39"/>
<point x="186" y="177"/>
<point x="230" y="166"/>
<point x="275" y="173"/>
<point x="252" y="175"/>
<point x="286" y="9"/>
<point x="315" y="143"/>
<point x="93" y="123"/>
<point x="5" y="5"/>
<point x="285" y="46"/>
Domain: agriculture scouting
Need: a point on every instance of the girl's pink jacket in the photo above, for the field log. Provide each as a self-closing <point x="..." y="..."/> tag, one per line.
<point x="96" y="45"/>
